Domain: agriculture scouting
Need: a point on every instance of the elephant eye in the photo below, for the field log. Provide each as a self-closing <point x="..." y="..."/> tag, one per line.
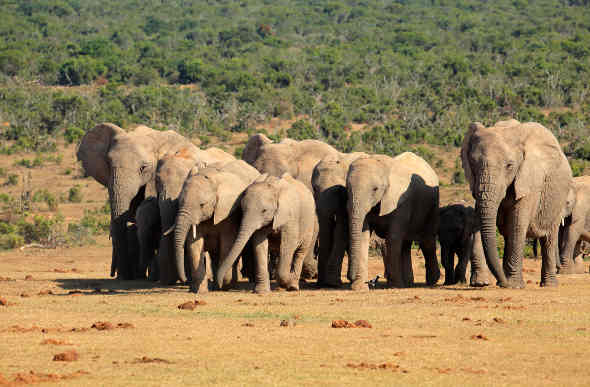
<point x="143" y="168"/>
<point x="375" y="188"/>
<point x="510" y="165"/>
<point x="202" y="205"/>
<point x="263" y="210"/>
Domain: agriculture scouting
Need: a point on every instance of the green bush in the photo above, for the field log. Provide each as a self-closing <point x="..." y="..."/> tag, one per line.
<point x="75" y="194"/>
<point x="302" y="130"/>
<point x="12" y="179"/>
<point x="73" y="134"/>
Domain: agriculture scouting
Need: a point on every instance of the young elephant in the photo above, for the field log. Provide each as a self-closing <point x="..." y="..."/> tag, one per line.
<point x="147" y="220"/>
<point x="575" y="225"/>
<point x="209" y="204"/>
<point x="276" y="213"/>
<point x="458" y="233"/>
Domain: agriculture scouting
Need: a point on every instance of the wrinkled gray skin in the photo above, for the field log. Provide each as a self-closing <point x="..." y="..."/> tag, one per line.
<point x="277" y="213"/>
<point x="398" y="199"/>
<point x="458" y="233"/>
<point x="147" y="220"/>
<point x="125" y="163"/>
<point x="329" y="190"/>
<point x="172" y="171"/>
<point x="519" y="178"/>
<point x="209" y="217"/>
<point x="576" y="222"/>
<point x="298" y="158"/>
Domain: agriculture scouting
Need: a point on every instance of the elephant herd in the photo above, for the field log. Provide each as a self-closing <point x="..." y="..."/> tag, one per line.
<point x="293" y="210"/>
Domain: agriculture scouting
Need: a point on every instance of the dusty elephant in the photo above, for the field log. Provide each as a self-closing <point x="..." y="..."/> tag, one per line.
<point x="125" y="163"/>
<point x="575" y="225"/>
<point x="298" y="158"/>
<point x="209" y="217"/>
<point x="147" y="220"/>
<point x="397" y="198"/>
<point x="458" y="233"/>
<point x="277" y="213"/>
<point x="519" y="178"/>
<point x="172" y="171"/>
<point x="329" y="190"/>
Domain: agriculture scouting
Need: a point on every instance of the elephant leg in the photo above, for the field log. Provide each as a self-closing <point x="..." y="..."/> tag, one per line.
<point x="549" y="251"/>
<point x="231" y="277"/>
<point x="260" y="246"/>
<point x="154" y="270"/>
<point x="515" y="229"/>
<point x="309" y="266"/>
<point x="571" y="235"/>
<point x="479" y="277"/>
<point x="326" y="243"/>
<point x="447" y="258"/>
<point x="393" y="262"/>
<point x="428" y="247"/>
<point x="334" y="272"/>
<point x="198" y="263"/>
<point x="167" y="270"/>
<point x="406" y="263"/>
<point x="289" y="253"/>
<point x="464" y="254"/>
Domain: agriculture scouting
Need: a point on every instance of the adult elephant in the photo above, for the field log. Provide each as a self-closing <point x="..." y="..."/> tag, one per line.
<point x="575" y="225"/>
<point x="520" y="180"/>
<point x="298" y="158"/>
<point x="397" y="198"/>
<point x="458" y="233"/>
<point x="172" y="171"/>
<point x="329" y="190"/>
<point x="125" y="163"/>
<point x="277" y="213"/>
<point x="209" y="207"/>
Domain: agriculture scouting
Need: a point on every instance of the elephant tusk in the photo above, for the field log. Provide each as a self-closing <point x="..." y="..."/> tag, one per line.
<point x="194" y="231"/>
<point x="169" y="231"/>
<point x="562" y="222"/>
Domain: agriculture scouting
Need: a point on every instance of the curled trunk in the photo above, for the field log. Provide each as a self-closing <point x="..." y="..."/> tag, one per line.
<point x="227" y="262"/>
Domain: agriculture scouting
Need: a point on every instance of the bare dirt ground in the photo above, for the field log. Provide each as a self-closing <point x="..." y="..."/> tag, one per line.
<point x="64" y="321"/>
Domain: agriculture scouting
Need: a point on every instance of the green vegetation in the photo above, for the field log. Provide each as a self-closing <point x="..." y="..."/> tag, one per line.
<point x="75" y="194"/>
<point x="414" y="71"/>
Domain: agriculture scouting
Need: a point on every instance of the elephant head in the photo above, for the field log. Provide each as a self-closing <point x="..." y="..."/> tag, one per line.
<point x="252" y="149"/>
<point x="510" y="160"/>
<point x="125" y="163"/>
<point x="268" y="202"/>
<point x="211" y="193"/>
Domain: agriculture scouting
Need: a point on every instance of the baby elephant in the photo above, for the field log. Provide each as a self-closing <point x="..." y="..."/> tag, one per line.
<point x="458" y="233"/>
<point x="147" y="220"/>
<point x="277" y="213"/>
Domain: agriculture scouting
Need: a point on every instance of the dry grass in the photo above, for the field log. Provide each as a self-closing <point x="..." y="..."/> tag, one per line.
<point x="419" y="336"/>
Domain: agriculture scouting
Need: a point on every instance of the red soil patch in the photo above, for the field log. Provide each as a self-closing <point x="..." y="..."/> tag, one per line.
<point x="54" y="342"/>
<point x="372" y="366"/>
<point x="248" y="324"/>
<point x="28" y="277"/>
<point x="33" y="377"/>
<point x="103" y="326"/>
<point x="70" y="355"/>
<point x="60" y="270"/>
<point x="3" y="302"/>
<point x="145" y="359"/>
<point x="25" y="295"/>
<point x="346" y="324"/>
<point x="190" y="305"/>
<point x="45" y="292"/>
<point x="6" y="279"/>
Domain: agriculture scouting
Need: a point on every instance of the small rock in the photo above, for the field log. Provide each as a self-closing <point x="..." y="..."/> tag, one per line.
<point x="125" y="325"/>
<point x="479" y="337"/>
<point x="25" y="295"/>
<point x="28" y="277"/>
<point x="3" y="301"/>
<point x="248" y="324"/>
<point x="362" y="324"/>
<point x="190" y="305"/>
<point x="342" y="324"/>
<point x="288" y="323"/>
<point x="66" y="356"/>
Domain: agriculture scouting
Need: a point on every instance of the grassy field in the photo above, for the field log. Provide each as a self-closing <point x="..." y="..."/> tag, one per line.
<point x="425" y="335"/>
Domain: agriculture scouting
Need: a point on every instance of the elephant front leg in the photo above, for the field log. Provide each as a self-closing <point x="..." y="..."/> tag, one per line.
<point x="447" y="260"/>
<point x="461" y="269"/>
<point x="393" y="261"/>
<point x="571" y="234"/>
<point x="549" y="252"/>
<point x="260" y="246"/>
<point x="479" y="276"/>
<point x="291" y="256"/>
<point x="515" y="229"/>
<point x="428" y="247"/>
<point x="326" y="243"/>
<point x="198" y="261"/>
<point x="334" y="273"/>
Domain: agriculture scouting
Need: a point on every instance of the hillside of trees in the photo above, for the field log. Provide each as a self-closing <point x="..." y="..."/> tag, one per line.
<point x="413" y="72"/>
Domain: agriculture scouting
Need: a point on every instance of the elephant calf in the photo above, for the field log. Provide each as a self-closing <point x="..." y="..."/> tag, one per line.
<point x="147" y="220"/>
<point x="276" y="213"/>
<point x="458" y="234"/>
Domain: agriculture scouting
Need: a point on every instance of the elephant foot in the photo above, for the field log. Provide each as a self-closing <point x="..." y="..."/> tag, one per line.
<point x="549" y="282"/>
<point x="359" y="286"/>
<point x="566" y="269"/>
<point x="478" y="280"/>
<point x="431" y="278"/>
<point x="461" y="281"/>
<point x="398" y="284"/>
<point x="293" y="288"/>
<point x="262" y="289"/>
<point x="515" y="282"/>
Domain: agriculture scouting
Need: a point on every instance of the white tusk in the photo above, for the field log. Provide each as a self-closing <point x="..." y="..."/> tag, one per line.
<point x="194" y="231"/>
<point x="562" y="222"/>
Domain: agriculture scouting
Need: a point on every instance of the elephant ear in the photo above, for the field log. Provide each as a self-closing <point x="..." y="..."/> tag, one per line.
<point x="465" y="149"/>
<point x="286" y="201"/>
<point x="530" y="175"/>
<point x="394" y="194"/>
<point x="229" y="189"/>
<point x="93" y="151"/>
<point x="252" y="148"/>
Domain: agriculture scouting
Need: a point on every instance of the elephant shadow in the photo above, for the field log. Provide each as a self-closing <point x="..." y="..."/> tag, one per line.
<point x="107" y="286"/>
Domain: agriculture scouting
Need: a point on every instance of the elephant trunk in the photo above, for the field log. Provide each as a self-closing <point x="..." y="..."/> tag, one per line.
<point x="183" y="223"/>
<point x="358" y="252"/>
<point x="487" y="211"/>
<point x="242" y="238"/>
<point x="120" y="202"/>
